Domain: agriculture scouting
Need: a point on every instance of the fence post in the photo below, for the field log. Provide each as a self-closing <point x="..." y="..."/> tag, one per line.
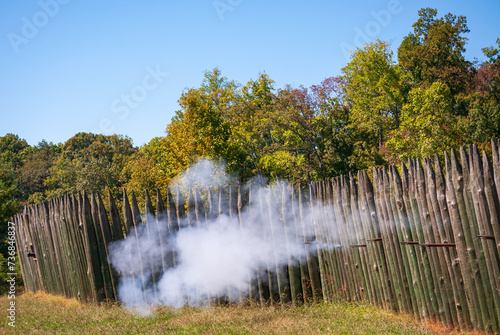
<point x="408" y="252"/>
<point x="484" y="217"/>
<point x="440" y="283"/>
<point x="424" y="280"/>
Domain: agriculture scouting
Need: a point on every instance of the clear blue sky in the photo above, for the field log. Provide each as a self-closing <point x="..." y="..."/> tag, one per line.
<point x="68" y="66"/>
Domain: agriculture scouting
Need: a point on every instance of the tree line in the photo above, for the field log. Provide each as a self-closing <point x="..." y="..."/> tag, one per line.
<point x="381" y="109"/>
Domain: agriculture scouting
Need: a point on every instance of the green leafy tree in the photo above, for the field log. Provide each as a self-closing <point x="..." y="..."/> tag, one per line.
<point x="13" y="151"/>
<point x="35" y="170"/>
<point x="310" y="125"/>
<point x="483" y="100"/>
<point x="483" y="122"/>
<point x="428" y="124"/>
<point x="90" y="162"/>
<point x="375" y="90"/>
<point x="8" y="204"/>
<point x="200" y="129"/>
<point x="150" y="168"/>
<point x="250" y="127"/>
<point x="435" y="51"/>
<point x="493" y="53"/>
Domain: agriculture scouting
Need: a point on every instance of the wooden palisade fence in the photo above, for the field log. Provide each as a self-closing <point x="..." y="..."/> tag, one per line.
<point x="423" y="243"/>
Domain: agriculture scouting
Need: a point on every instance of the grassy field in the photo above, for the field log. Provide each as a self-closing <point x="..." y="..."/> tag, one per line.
<point x="46" y="314"/>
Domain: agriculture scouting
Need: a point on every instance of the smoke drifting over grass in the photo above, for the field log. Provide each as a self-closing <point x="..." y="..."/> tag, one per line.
<point x="213" y="257"/>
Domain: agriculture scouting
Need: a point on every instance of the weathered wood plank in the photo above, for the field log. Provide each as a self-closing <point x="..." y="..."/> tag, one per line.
<point x="440" y="285"/>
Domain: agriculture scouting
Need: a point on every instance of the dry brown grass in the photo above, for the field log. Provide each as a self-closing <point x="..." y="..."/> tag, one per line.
<point x="47" y="314"/>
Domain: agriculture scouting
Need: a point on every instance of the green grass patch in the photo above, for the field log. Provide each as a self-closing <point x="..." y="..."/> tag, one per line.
<point x="47" y="314"/>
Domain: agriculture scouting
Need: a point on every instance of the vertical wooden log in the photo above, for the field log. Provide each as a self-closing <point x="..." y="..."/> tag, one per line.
<point x="493" y="228"/>
<point x="52" y="238"/>
<point x="328" y="227"/>
<point x="434" y="302"/>
<point x="273" y="283"/>
<point x="329" y="241"/>
<point x="136" y="214"/>
<point x="42" y="258"/>
<point x="268" y="276"/>
<point x="66" y="264"/>
<point x="201" y="220"/>
<point x="407" y="251"/>
<point x="261" y="273"/>
<point x="350" y="285"/>
<point x="127" y="214"/>
<point x="54" y="235"/>
<point x="211" y="216"/>
<point x="92" y="251"/>
<point x="315" y="212"/>
<point x="293" y="269"/>
<point x="482" y="189"/>
<point x="463" y="188"/>
<point x="78" y="249"/>
<point x="51" y="235"/>
<point x="402" y="269"/>
<point x="237" y="199"/>
<point x="442" y="287"/>
<point x="479" y="203"/>
<point x="438" y="235"/>
<point x="173" y="223"/>
<point x="38" y="246"/>
<point x="67" y="255"/>
<point x="152" y="235"/>
<point x="116" y="225"/>
<point x="133" y="221"/>
<point x="428" y="299"/>
<point x="312" y="263"/>
<point x="107" y="238"/>
<point x="79" y="226"/>
<point x="77" y="242"/>
<point x="173" y="228"/>
<point x="44" y="240"/>
<point x="299" y="239"/>
<point x="191" y="213"/>
<point x="451" y="256"/>
<point x="201" y="213"/>
<point x="387" y="237"/>
<point x="29" y="265"/>
<point x="182" y="224"/>
<point x="374" y="233"/>
<point x="495" y="176"/>
<point x="162" y="229"/>
<point x="21" y="245"/>
<point x="277" y="239"/>
<point x="358" y="237"/>
<point x="213" y="204"/>
<point x="101" y="236"/>
<point x="461" y="246"/>
<point x="396" y="268"/>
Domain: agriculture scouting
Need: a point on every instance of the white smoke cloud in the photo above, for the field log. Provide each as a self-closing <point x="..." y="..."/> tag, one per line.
<point x="214" y="258"/>
<point x="204" y="173"/>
